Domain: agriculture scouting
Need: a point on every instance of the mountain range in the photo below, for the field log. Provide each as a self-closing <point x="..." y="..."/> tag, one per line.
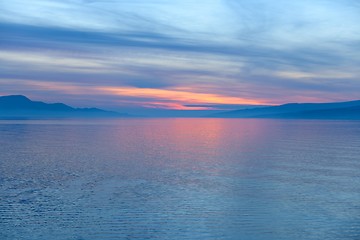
<point x="21" y="107"/>
<point x="337" y="110"/>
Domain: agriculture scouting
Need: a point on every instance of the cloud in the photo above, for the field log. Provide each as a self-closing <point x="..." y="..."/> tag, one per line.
<point x="259" y="51"/>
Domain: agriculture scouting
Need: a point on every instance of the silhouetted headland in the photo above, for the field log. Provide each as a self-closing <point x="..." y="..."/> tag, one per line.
<point x="338" y="110"/>
<point x="21" y="107"/>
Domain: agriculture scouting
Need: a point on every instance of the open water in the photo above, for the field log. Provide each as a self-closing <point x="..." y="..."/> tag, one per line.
<point x="180" y="179"/>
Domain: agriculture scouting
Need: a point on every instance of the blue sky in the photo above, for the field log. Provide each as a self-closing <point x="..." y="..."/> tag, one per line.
<point x="189" y="55"/>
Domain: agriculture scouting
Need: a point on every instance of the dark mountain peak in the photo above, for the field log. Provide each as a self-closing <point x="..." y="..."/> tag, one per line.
<point x="14" y="102"/>
<point x="21" y="106"/>
<point x="15" y="98"/>
<point x="17" y="102"/>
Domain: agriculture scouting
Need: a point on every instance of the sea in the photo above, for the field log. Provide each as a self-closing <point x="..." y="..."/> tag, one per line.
<point x="179" y="178"/>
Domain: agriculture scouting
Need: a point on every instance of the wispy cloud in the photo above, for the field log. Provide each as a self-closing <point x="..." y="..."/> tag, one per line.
<point x="169" y="53"/>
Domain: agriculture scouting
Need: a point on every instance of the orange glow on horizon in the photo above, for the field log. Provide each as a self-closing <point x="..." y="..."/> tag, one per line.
<point x="179" y="96"/>
<point x="173" y="106"/>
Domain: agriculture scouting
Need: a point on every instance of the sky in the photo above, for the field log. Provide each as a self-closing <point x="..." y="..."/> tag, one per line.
<point x="188" y="55"/>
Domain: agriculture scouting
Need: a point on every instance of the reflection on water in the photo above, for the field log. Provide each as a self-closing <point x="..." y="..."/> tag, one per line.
<point x="179" y="179"/>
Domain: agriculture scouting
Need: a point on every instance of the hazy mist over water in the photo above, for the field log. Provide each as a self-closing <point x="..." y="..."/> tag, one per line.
<point x="180" y="179"/>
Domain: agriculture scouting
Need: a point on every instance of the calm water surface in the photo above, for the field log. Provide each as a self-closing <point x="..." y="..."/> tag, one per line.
<point x="180" y="179"/>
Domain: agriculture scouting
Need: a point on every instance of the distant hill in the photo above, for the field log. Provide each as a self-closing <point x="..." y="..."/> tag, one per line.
<point x="337" y="110"/>
<point x="21" y="107"/>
